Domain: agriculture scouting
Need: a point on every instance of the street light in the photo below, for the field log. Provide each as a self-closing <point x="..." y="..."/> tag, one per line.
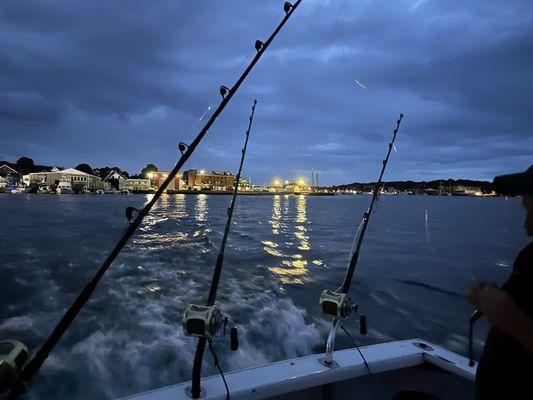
<point x="277" y="183"/>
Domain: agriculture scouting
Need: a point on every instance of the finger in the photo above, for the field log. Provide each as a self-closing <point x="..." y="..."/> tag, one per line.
<point x="473" y="297"/>
<point x="473" y="287"/>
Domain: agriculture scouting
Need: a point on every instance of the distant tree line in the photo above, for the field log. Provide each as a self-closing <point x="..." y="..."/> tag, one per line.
<point x="25" y="165"/>
<point x="486" y="187"/>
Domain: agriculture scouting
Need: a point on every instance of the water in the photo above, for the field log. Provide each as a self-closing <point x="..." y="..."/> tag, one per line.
<point x="419" y="255"/>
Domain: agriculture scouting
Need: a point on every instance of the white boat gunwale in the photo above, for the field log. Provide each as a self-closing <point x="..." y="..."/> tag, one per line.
<point x="282" y="377"/>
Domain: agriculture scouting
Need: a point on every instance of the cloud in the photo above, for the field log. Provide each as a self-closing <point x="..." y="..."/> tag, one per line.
<point x="109" y="83"/>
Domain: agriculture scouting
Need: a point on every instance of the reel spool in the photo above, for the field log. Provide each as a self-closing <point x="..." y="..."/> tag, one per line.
<point x="202" y="321"/>
<point x="13" y="357"/>
<point x="336" y="305"/>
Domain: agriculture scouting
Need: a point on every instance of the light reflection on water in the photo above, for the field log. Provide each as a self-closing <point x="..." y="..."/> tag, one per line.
<point x="292" y="266"/>
<point x="276" y="215"/>
<point x="169" y="209"/>
<point x="201" y="210"/>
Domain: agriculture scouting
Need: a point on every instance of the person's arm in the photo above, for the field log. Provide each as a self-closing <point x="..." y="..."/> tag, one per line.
<point x="503" y="312"/>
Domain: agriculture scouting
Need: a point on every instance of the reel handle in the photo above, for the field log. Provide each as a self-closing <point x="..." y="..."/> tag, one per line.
<point x="362" y="325"/>
<point x="234" y="339"/>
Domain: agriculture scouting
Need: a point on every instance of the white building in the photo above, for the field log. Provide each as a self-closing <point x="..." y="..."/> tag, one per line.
<point x="138" y="185"/>
<point x="69" y="178"/>
<point x="115" y="181"/>
<point x="8" y="176"/>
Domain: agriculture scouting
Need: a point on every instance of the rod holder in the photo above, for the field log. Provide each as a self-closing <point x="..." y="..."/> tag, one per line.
<point x="330" y="345"/>
<point x="473" y="319"/>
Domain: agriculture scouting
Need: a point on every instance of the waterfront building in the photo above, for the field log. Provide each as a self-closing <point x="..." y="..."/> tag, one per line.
<point x="69" y="178"/>
<point x="245" y="185"/>
<point x="299" y="186"/>
<point x="466" y="191"/>
<point x="138" y="185"/>
<point x="200" y="180"/>
<point x="176" y="184"/>
<point x="9" y="176"/>
<point x="114" y="181"/>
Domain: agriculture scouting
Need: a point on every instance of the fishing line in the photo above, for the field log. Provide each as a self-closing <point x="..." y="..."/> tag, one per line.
<point x="217" y="364"/>
<point x="227" y="94"/>
<point x="370" y="374"/>
<point x="199" y="119"/>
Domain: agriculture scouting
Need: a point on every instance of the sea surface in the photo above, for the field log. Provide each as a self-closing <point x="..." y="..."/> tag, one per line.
<point x="419" y="255"/>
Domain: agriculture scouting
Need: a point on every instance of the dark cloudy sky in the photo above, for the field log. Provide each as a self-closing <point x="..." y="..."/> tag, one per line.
<point x="121" y="83"/>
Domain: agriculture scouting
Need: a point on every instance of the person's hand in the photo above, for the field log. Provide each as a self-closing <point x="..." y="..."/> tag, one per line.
<point x="497" y="305"/>
<point x="474" y="291"/>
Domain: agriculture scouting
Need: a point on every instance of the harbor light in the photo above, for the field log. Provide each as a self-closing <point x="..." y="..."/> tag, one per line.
<point x="202" y="172"/>
<point x="277" y="182"/>
<point x="150" y="175"/>
<point x="301" y="182"/>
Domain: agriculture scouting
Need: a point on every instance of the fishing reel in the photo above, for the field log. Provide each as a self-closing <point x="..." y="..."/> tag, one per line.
<point x="340" y="306"/>
<point x="202" y="321"/>
<point x="336" y="305"/>
<point x="13" y="357"/>
<point x="206" y="322"/>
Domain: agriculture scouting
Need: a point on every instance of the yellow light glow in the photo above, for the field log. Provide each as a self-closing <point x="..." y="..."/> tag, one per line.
<point x="286" y="182"/>
<point x="301" y="182"/>
<point x="202" y="172"/>
<point x="150" y="175"/>
<point x="165" y="175"/>
<point x="277" y="182"/>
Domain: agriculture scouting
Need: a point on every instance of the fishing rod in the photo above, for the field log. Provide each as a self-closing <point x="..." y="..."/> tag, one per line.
<point x="21" y="373"/>
<point x="205" y="322"/>
<point x="338" y="304"/>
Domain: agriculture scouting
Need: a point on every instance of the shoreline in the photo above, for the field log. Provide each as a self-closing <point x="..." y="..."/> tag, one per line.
<point x="229" y="193"/>
<point x="222" y="193"/>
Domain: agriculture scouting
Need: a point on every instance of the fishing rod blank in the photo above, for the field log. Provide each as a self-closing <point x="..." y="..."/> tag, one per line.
<point x="338" y="304"/>
<point x="345" y="287"/>
<point x="205" y="322"/>
<point x="35" y="363"/>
